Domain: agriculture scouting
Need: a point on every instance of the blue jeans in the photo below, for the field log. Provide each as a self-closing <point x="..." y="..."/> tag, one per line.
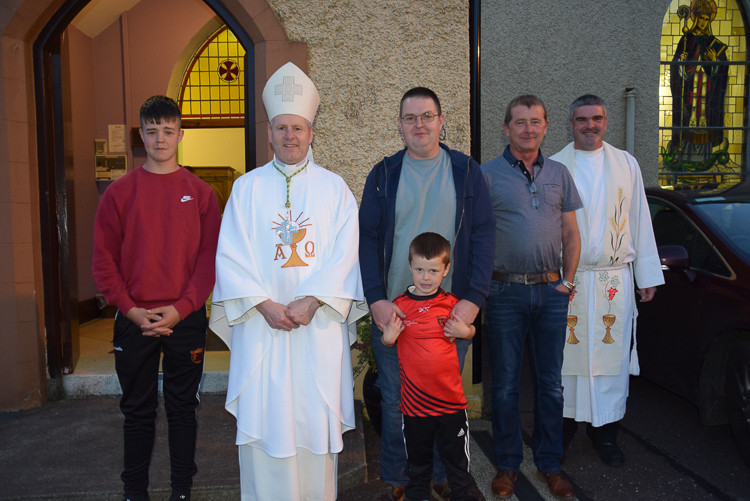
<point x="513" y="311"/>
<point x="393" y="467"/>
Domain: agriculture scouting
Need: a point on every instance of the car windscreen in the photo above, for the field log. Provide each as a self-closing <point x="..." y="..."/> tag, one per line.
<point x="730" y="217"/>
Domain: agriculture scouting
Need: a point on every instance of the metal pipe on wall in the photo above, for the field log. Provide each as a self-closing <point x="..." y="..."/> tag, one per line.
<point x="630" y="120"/>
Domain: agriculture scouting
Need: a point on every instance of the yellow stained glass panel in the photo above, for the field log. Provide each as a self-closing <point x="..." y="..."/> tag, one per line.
<point x="213" y="83"/>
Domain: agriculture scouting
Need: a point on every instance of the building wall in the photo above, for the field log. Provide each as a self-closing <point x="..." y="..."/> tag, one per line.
<point x="154" y="46"/>
<point x="22" y="372"/>
<point x="363" y="56"/>
<point x="83" y="131"/>
<point x="560" y="51"/>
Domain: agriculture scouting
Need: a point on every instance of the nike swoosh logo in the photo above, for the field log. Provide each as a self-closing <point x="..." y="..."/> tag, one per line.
<point x="186" y="198"/>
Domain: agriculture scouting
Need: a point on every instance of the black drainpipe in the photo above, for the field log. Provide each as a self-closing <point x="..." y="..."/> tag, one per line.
<point x="476" y="143"/>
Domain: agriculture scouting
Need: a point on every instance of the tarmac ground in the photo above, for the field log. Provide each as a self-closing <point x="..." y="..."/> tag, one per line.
<point x="72" y="450"/>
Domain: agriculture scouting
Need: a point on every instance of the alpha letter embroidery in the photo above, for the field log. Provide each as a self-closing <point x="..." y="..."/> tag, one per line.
<point x="279" y="252"/>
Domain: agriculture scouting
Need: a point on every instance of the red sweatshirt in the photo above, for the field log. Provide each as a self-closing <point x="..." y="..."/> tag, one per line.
<point x="155" y="241"/>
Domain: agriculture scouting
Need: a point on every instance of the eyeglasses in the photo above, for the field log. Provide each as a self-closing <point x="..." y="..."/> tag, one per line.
<point x="412" y="119"/>
<point x="534" y="197"/>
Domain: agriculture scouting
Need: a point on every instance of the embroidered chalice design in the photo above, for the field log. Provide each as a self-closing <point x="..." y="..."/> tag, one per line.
<point x="291" y="233"/>
<point x="609" y="321"/>
<point x="572" y="321"/>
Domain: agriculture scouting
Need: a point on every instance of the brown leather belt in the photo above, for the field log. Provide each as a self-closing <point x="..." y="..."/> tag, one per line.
<point x="527" y="278"/>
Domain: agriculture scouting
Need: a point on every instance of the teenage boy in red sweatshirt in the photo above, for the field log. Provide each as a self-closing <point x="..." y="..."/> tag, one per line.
<point x="155" y="236"/>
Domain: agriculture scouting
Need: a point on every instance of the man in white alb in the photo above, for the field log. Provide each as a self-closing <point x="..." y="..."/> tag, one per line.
<point x="618" y="259"/>
<point x="287" y="273"/>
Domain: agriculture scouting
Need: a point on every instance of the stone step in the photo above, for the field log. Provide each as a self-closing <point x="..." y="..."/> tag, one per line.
<point x="98" y="385"/>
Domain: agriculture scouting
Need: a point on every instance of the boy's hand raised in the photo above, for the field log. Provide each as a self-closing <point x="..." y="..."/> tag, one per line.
<point x="392" y="330"/>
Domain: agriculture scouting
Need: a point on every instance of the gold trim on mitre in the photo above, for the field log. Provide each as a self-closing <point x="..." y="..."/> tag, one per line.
<point x="290" y="92"/>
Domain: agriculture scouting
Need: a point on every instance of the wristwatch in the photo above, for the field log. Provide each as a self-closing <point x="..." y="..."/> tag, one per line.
<point x="571" y="287"/>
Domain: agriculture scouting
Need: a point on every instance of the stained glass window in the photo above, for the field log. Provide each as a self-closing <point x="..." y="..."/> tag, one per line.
<point x="213" y="84"/>
<point x="702" y="93"/>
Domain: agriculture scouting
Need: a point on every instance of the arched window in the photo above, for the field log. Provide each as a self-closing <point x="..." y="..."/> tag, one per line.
<point x="213" y="85"/>
<point x="212" y="100"/>
<point x="703" y="93"/>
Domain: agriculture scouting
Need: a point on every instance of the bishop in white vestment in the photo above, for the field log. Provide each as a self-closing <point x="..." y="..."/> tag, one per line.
<point x="618" y="256"/>
<point x="287" y="275"/>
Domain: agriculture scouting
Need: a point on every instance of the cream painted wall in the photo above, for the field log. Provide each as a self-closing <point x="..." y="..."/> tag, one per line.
<point x="213" y="147"/>
<point x="363" y="56"/>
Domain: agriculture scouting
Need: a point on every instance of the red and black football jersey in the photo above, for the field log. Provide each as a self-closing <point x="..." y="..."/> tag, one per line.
<point x="430" y="375"/>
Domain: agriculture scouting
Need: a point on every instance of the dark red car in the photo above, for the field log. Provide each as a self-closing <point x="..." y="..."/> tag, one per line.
<point x="694" y="337"/>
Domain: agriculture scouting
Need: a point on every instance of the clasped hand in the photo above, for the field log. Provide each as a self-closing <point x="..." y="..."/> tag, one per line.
<point x="291" y="316"/>
<point x="155" y="322"/>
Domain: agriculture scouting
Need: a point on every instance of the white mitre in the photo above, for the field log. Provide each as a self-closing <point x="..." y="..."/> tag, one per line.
<point x="290" y="92"/>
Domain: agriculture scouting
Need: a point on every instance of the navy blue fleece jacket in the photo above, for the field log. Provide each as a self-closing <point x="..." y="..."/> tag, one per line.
<point x="474" y="245"/>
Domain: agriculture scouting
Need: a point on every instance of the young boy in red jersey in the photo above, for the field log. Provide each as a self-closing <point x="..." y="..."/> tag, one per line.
<point x="155" y="237"/>
<point x="432" y="397"/>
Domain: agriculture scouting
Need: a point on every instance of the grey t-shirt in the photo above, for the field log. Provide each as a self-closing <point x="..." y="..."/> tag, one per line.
<point x="528" y="239"/>
<point x="425" y="201"/>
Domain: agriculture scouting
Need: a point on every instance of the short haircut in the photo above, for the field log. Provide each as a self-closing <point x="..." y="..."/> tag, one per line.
<point x="586" y="100"/>
<point x="158" y="109"/>
<point x="420" y="92"/>
<point x="527" y="100"/>
<point x="430" y="245"/>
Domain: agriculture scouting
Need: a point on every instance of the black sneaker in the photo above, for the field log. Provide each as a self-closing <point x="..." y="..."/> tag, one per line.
<point x="179" y="496"/>
<point x="610" y="453"/>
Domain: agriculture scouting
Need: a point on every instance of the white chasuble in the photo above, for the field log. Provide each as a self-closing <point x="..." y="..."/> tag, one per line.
<point x="616" y="235"/>
<point x="288" y="390"/>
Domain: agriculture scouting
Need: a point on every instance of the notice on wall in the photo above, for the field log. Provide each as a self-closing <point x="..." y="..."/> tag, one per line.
<point x="116" y="137"/>
<point x="111" y="167"/>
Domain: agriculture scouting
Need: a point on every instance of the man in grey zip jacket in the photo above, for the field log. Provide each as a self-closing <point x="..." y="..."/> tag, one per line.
<point x="425" y="187"/>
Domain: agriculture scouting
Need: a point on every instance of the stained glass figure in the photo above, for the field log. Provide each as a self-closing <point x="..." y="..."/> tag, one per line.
<point x="698" y="92"/>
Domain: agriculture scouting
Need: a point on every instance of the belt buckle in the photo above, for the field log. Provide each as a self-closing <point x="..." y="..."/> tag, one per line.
<point x="526" y="279"/>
